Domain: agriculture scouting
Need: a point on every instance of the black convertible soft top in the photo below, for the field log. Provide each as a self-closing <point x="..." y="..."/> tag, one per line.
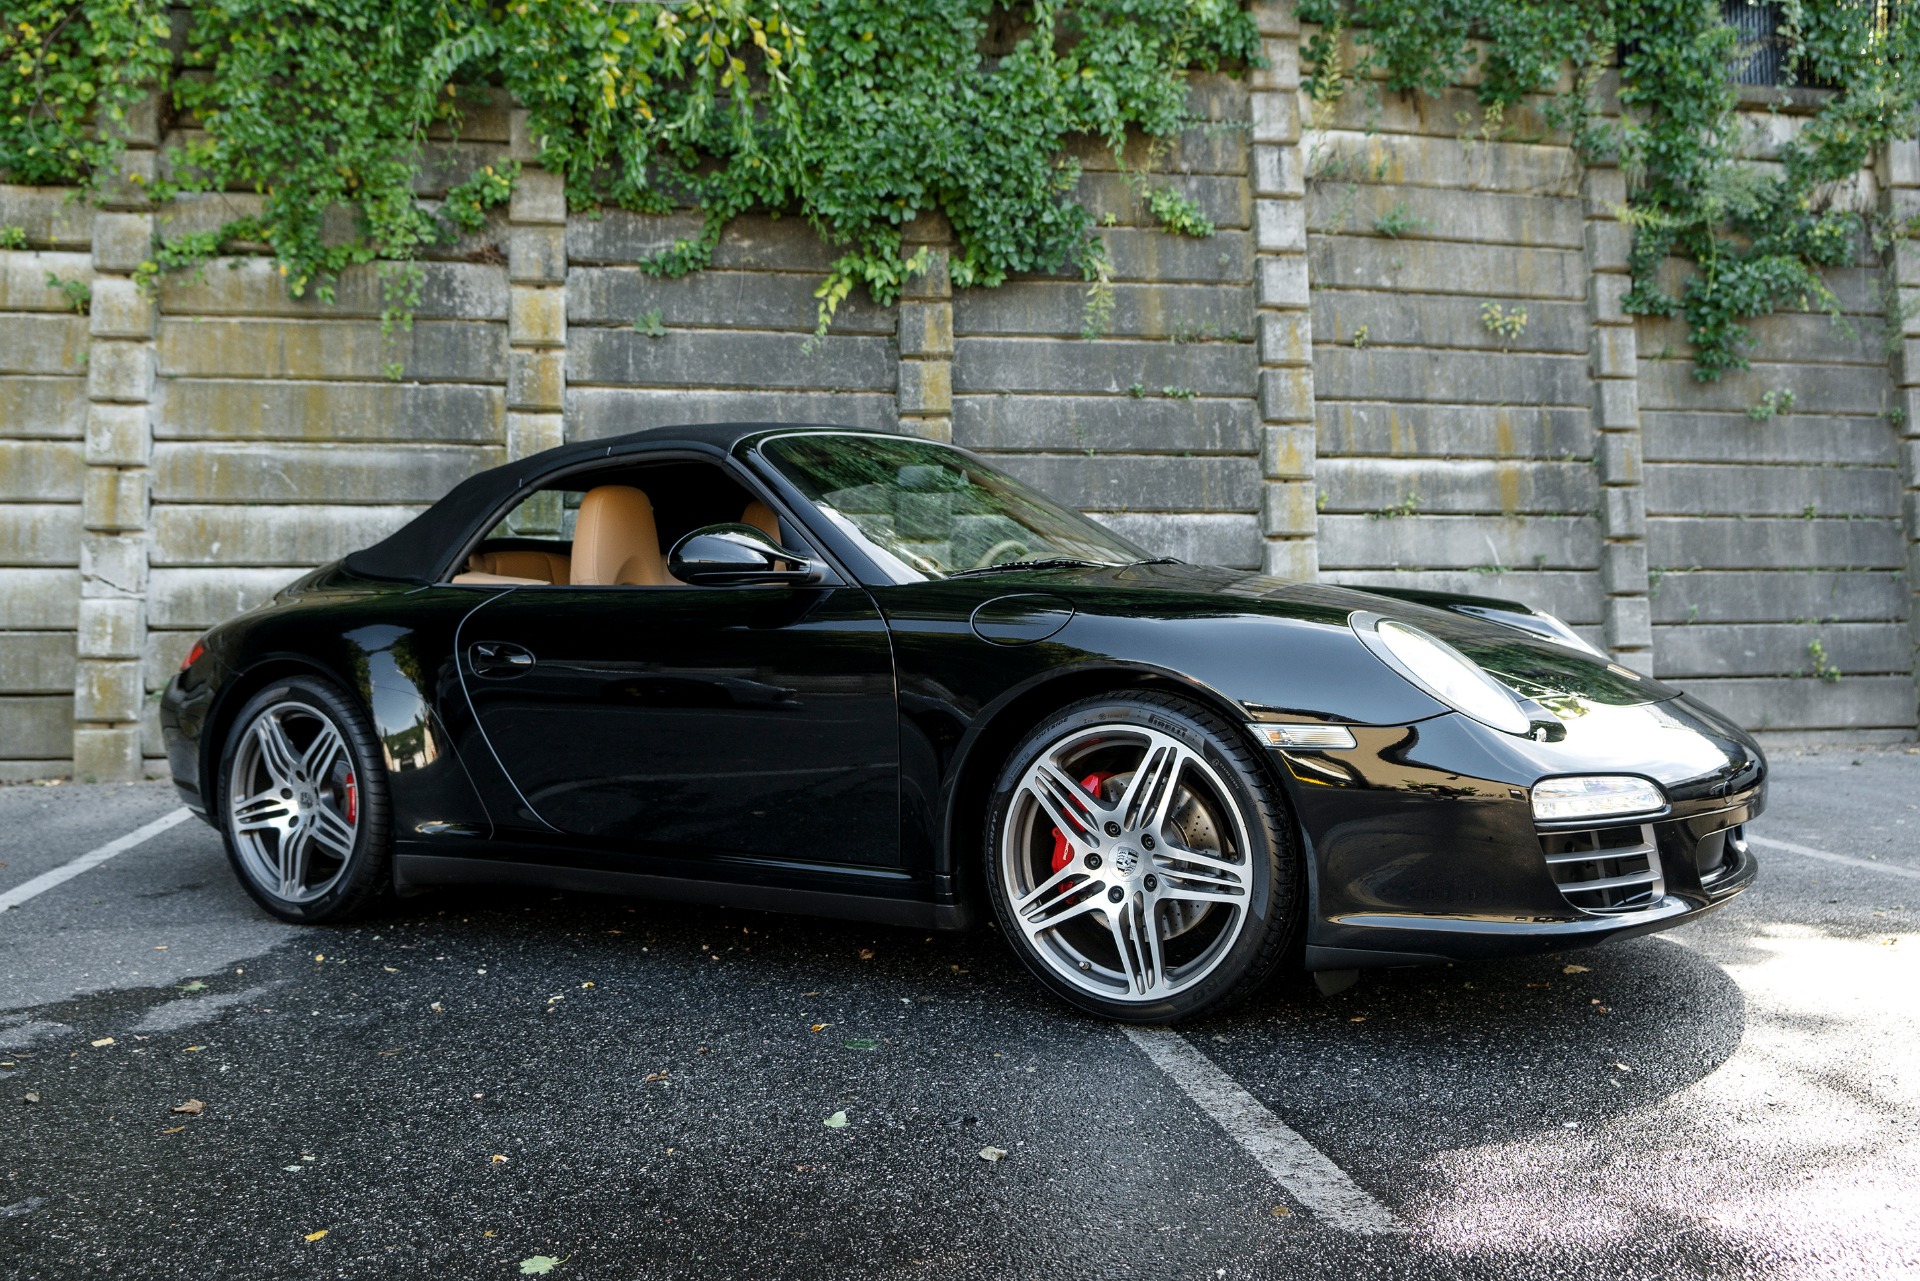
<point x="418" y="551"/>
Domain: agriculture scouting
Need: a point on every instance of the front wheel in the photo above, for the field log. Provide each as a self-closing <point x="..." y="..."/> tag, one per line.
<point x="1140" y="860"/>
<point x="304" y="803"/>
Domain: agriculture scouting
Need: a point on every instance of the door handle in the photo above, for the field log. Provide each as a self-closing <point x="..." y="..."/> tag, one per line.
<point x="499" y="658"/>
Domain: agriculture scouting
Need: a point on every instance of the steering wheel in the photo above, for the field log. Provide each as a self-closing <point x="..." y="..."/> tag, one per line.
<point x="992" y="554"/>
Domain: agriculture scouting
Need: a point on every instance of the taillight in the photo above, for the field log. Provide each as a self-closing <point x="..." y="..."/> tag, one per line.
<point x="193" y="655"/>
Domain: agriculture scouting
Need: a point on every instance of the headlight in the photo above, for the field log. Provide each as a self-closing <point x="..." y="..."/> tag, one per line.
<point x="1446" y="673"/>
<point x="1555" y="800"/>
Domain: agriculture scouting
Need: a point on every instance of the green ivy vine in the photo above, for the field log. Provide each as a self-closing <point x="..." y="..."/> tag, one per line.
<point x="857" y="115"/>
<point x="1756" y="237"/>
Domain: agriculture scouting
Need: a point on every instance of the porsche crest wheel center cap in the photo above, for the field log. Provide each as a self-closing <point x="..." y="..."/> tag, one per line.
<point x="1125" y="862"/>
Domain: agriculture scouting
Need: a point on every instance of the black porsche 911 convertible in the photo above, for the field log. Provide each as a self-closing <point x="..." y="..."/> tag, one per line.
<point x="865" y="675"/>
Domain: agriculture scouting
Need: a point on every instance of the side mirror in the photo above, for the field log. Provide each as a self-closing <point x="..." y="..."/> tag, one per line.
<point x="737" y="556"/>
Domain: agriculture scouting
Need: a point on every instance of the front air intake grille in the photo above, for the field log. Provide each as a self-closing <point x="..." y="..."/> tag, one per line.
<point x="1605" y="869"/>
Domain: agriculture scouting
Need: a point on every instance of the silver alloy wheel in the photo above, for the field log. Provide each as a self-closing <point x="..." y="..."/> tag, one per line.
<point x="293" y="802"/>
<point x="1137" y="912"/>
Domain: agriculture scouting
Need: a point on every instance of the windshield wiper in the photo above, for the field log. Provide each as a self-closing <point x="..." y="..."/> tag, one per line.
<point x="1052" y="562"/>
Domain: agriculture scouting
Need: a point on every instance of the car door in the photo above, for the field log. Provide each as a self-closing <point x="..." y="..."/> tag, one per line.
<point x="695" y="721"/>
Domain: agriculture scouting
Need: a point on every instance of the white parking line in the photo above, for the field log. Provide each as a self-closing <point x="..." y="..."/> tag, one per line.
<point x="1807" y="851"/>
<point x="1294" y="1163"/>
<point x="91" y="859"/>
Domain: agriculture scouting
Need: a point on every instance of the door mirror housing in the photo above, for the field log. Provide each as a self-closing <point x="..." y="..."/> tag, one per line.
<point x="736" y="555"/>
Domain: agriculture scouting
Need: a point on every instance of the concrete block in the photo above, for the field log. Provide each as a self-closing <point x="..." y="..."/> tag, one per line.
<point x="107" y="691"/>
<point x="1288" y="452"/>
<point x="1447" y="161"/>
<point x="37" y="729"/>
<point x="730" y="359"/>
<point x="1282" y="282"/>
<point x="40" y="470"/>
<point x="1294" y="559"/>
<point x="107" y="754"/>
<point x="1450" y="377"/>
<point x="595" y="412"/>
<point x="1105" y="424"/>
<point x="537" y="317"/>
<point x="372" y="474"/>
<point x="34" y="663"/>
<point x="164" y="653"/>
<point x="1279" y="171"/>
<point x="1617" y="404"/>
<point x="1624" y="512"/>
<point x="112" y="565"/>
<point x="1605" y="302"/>
<point x="1761" y="543"/>
<point x="1781" y="649"/>
<point x="112" y="628"/>
<point x="196" y="599"/>
<point x="1156" y="257"/>
<point x="1623" y="568"/>
<point x="1280" y="226"/>
<point x="1416" y="266"/>
<point x="925" y="387"/>
<point x="228" y="534"/>
<point x="1226" y="199"/>
<point x="1287" y="508"/>
<point x="42" y="408"/>
<point x="1453" y="431"/>
<point x="1768" y="595"/>
<point x="49" y="216"/>
<point x="1112" y="483"/>
<point x="39" y="534"/>
<point x="1831" y="389"/>
<point x="1276" y="18"/>
<point x="1464" y="486"/>
<point x="335" y="412"/>
<point x="1604" y="189"/>
<point x="42" y="344"/>
<point x="1734" y="438"/>
<point x="538" y="197"/>
<point x="536" y="380"/>
<point x="926" y="329"/>
<point x="1459" y="542"/>
<point x="1286" y="338"/>
<point x="23" y="279"/>
<point x="254" y="288"/>
<point x="1619" y="458"/>
<point x="522" y="144"/>
<point x="1058" y="309"/>
<point x="1212" y="147"/>
<point x="118" y="435"/>
<point x="330" y="350"/>
<point x="40" y="599"/>
<point x="1446" y="321"/>
<point x="1903" y="163"/>
<point x="621" y="296"/>
<point x="1608" y="245"/>
<point x="1287" y="395"/>
<point x="121" y="241"/>
<point x="1615" y="354"/>
<point x="1199" y="538"/>
<point x="537" y="255"/>
<point x="120" y="310"/>
<point x="1282" y="72"/>
<point x="1276" y="118"/>
<point x="1445" y="213"/>
<point x="1629" y="624"/>
<point x="935" y="284"/>
<point x="1573" y="597"/>
<point x="1781" y="704"/>
<point x="529" y="434"/>
<point x="115" y="500"/>
<point x="1734" y="490"/>
<point x="1111" y="366"/>
<point x="120" y="371"/>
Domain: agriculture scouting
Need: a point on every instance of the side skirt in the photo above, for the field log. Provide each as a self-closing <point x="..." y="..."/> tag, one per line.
<point x="412" y="872"/>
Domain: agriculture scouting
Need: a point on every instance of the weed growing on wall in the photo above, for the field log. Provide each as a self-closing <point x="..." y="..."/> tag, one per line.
<point x="1757" y="239"/>
<point x="857" y="115"/>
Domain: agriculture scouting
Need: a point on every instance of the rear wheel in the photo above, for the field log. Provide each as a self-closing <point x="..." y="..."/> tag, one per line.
<point x="1140" y="860"/>
<point x="304" y="803"/>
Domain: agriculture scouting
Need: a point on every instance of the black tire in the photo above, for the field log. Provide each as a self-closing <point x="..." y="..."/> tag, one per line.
<point x="1265" y="879"/>
<point x="360" y="798"/>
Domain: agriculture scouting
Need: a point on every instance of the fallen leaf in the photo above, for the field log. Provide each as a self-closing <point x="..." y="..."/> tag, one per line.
<point x="862" y="1043"/>
<point x="391" y="969"/>
<point x="1623" y="1067"/>
<point x="538" y="1264"/>
<point x="291" y="1169"/>
<point x="837" y="1121"/>
<point x="991" y="1153"/>
<point x="1358" y="1018"/>
<point x="435" y="1007"/>
<point x="161" y="948"/>
<point x="195" y="986"/>
<point x="195" y="1049"/>
<point x="821" y="1027"/>
<point x="105" y="1040"/>
<point x="395" y="1050"/>
<point x="192" y="1107"/>
<point x="487" y="1233"/>
<point x="651" y="1077"/>
<point x="498" y="1159"/>
<point x="31" y="1096"/>
<point x="319" y="956"/>
<point x="1281" y="1212"/>
<point x="174" y="1130"/>
<point x="315" y="1236"/>
<point x="866" y="954"/>
<point x="1574" y="969"/>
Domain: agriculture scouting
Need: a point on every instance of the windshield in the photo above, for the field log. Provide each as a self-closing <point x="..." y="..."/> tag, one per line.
<point x="922" y="510"/>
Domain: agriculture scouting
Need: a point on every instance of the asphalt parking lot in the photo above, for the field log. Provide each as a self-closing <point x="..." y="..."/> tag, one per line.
<point x="497" y="1083"/>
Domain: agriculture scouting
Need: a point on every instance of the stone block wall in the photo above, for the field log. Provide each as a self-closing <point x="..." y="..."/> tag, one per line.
<point x="1338" y="383"/>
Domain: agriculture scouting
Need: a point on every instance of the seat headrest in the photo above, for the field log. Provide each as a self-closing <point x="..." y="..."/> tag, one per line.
<point x="614" y="539"/>
<point x="761" y="517"/>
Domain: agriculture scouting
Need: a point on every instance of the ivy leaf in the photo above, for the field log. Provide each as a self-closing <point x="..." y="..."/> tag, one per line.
<point x="539" y="1264"/>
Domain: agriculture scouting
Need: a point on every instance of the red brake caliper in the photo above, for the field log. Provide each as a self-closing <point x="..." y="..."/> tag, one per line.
<point x="353" y="801"/>
<point x="1062" y="851"/>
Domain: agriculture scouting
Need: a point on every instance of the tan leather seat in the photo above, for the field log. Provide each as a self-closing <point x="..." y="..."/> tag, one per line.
<point x="761" y="517"/>
<point x="615" y="542"/>
<point x="477" y="578"/>
<point x="538" y="566"/>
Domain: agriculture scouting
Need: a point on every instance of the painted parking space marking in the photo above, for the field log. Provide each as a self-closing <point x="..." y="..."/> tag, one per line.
<point x="91" y="859"/>
<point x="1295" y="1164"/>
<point x="1807" y="851"/>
